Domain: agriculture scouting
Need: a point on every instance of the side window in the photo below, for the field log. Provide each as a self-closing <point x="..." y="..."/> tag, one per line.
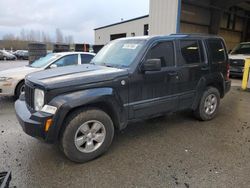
<point x="216" y="50"/>
<point x="163" y="51"/>
<point x="190" y="51"/>
<point x="86" y="58"/>
<point x="67" y="60"/>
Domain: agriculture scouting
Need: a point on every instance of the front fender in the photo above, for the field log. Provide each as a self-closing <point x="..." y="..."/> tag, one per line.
<point x="67" y="102"/>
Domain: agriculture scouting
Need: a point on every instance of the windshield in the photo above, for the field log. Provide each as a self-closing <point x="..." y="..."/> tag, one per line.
<point x="119" y="53"/>
<point x="241" y="49"/>
<point x="43" y="61"/>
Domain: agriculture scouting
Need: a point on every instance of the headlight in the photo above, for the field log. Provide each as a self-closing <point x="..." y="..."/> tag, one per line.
<point x="4" y="79"/>
<point x="38" y="99"/>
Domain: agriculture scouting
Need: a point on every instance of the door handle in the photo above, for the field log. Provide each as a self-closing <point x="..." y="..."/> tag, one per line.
<point x="204" y="68"/>
<point x="172" y="73"/>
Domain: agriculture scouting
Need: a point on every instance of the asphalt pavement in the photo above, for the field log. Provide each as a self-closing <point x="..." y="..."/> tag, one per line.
<point x="173" y="151"/>
<point x="10" y="64"/>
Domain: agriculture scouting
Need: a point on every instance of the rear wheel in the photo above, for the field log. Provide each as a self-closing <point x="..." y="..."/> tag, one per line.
<point x="209" y="104"/>
<point x="87" y="135"/>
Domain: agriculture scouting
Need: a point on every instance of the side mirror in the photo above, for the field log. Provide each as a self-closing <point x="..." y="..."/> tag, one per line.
<point x="53" y="66"/>
<point x="151" y="65"/>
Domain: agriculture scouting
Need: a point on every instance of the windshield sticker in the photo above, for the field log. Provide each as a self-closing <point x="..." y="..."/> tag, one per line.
<point x="130" y="46"/>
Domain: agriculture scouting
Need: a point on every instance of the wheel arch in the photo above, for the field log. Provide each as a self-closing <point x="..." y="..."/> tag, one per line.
<point x="107" y="102"/>
<point x="216" y="81"/>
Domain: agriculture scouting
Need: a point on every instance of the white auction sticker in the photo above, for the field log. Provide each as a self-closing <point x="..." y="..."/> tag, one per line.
<point x="130" y="46"/>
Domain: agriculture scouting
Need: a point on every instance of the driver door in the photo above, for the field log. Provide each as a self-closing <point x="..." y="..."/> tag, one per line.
<point x="67" y="61"/>
<point x="151" y="91"/>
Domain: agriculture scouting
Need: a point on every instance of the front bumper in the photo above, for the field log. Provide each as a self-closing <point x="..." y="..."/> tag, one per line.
<point x="32" y="124"/>
<point x="7" y="89"/>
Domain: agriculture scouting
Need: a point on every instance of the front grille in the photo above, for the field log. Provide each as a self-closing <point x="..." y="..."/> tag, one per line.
<point x="237" y="62"/>
<point x="29" y="96"/>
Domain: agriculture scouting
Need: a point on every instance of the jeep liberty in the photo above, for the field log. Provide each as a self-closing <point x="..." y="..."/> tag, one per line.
<point x="130" y="79"/>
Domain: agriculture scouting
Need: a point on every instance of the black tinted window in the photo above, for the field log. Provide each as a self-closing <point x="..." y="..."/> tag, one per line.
<point x="216" y="50"/>
<point x="163" y="51"/>
<point x="86" y="58"/>
<point x="190" y="51"/>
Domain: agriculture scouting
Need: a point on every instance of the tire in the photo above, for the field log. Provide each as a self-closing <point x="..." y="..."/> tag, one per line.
<point x="32" y="59"/>
<point x="19" y="89"/>
<point x="35" y="46"/>
<point x="76" y="124"/>
<point x="36" y="51"/>
<point x="208" y="105"/>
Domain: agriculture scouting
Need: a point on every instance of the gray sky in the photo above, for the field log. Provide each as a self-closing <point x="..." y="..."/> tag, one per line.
<point x="76" y="17"/>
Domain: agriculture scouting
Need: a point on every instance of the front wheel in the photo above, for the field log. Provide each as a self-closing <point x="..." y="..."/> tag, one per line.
<point x="209" y="104"/>
<point x="19" y="89"/>
<point x="87" y="135"/>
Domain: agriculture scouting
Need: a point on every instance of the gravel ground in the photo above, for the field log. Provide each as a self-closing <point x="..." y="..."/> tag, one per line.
<point x="173" y="151"/>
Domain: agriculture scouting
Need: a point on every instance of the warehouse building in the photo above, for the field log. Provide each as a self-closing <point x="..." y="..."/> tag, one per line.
<point x="227" y="18"/>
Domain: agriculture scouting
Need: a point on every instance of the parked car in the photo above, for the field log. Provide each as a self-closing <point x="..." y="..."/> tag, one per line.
<point x="12" y="80"/>
<point x="237" y="58"/>
<point x="130" y="79"/>
<point x="22" y="54"/>
<point x="4" y="55"/>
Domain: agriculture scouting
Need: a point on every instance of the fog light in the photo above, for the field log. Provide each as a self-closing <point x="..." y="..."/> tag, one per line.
<point x="48" y="125"/>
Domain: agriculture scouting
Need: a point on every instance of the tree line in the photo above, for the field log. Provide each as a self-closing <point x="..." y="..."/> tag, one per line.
<point x="39" y="36"/>
<point x="10" y="41"/>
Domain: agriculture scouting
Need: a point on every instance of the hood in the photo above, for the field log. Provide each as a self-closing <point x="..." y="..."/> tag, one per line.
<point x="238" y="56"/>
<point x="74" y="75"/>
<point x="18" y="72"/>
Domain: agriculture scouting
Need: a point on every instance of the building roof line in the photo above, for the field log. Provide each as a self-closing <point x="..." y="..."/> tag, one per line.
<point x="138" y="18"/>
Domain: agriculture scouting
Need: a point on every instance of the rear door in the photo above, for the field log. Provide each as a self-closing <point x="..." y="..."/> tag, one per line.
<point x="192" y="66"/>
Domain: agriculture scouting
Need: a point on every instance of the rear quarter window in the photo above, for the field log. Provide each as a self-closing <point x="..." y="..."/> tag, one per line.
<point x="216" y="50"/>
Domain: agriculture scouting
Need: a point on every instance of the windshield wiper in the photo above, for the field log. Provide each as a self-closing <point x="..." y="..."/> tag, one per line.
<point x="110" y="65"/>
<point x="106" y="64"/>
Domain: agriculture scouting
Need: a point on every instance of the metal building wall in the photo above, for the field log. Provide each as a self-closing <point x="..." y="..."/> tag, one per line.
<point x="102" y="36"/>
<point x="163" y="19"/>
<point x="163" y="16"/>
<point x="196" y="19"/>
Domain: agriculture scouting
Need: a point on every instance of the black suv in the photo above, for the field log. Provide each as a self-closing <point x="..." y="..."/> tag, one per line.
<point x="130" y="79"/>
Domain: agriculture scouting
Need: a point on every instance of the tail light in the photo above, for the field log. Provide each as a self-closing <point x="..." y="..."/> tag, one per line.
<point x="228" y="72"/>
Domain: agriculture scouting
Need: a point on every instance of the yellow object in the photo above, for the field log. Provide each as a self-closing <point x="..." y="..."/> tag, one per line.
<point x="246" y="74"/>
<point x="48" y="124"/>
